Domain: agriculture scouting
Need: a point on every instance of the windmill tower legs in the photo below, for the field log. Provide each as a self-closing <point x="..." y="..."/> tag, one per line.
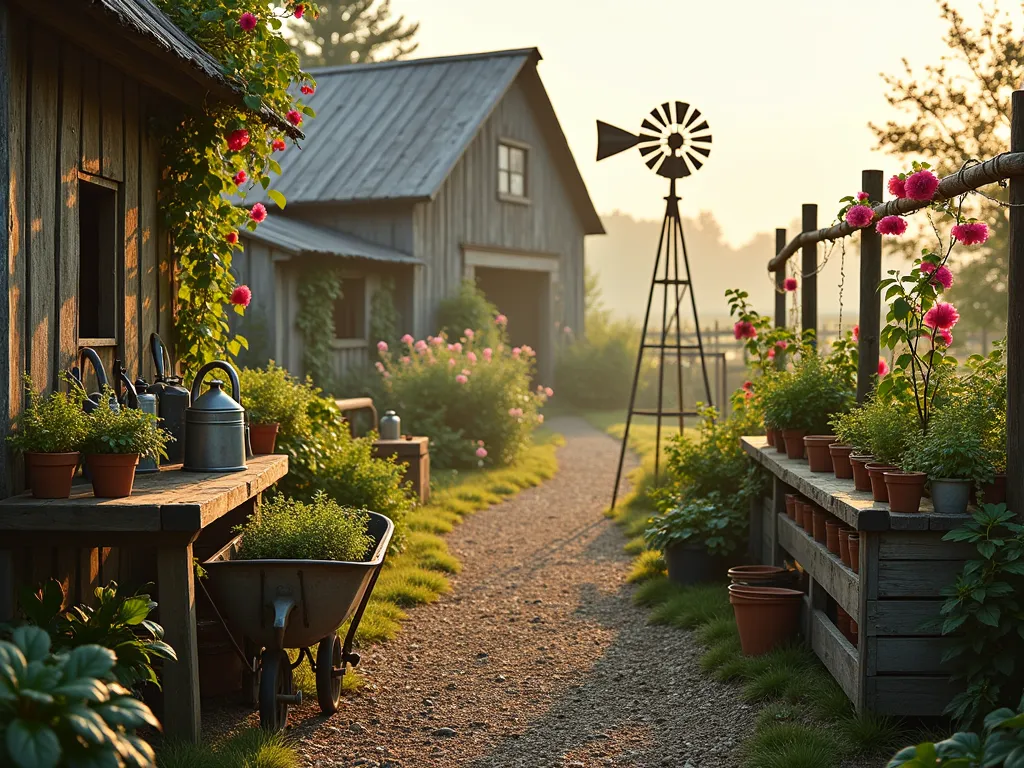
<point x="671" y="279"/>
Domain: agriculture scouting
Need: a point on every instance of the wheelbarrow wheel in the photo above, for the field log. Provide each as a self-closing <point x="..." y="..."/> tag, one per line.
<point x="329" y="670"/>
<point x="275" y="681"/>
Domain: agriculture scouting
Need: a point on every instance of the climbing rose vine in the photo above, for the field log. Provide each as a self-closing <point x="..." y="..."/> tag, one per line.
<point x="220" y="151"/>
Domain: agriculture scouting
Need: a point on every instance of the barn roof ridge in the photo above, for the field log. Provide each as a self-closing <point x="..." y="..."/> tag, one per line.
<point x="376" y="66"/>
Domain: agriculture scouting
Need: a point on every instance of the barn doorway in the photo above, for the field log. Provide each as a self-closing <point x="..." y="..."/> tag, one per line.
<point x="524" y="296"/>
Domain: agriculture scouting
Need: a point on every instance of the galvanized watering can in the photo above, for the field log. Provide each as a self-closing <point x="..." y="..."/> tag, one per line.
<point x="215" y="425"/>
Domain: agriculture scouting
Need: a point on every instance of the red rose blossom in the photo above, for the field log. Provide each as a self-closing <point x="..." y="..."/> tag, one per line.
<point x="307" y="89"/>
<point x="299" y="10"/>
<point x="294" y="117"/>
<point x="789" y="284"/>
<point x="238" y="139"/>
<point x="247" y="22"/>
<point x="241" y="296"/>
<point x="898" y="187"/>
<point x="278" y="145"/>
<point x="240" y="178"/>
<point x="921" y="185"/>
<point x="232" y="237"/>
<point x="258" y="213"/>
<point x="744" y="329"/>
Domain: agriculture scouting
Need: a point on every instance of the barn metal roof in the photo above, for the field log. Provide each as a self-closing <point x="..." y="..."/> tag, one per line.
<point x="300" y="238"/>
<point x="395" y="130"/>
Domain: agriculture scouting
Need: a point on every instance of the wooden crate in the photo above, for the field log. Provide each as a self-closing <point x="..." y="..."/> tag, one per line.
<point x="897" y="667"/>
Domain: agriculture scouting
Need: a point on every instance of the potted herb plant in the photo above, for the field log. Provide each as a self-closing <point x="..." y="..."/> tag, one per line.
<point x="116" y="439"/>
<point x="891" y="427"/>
<point x="49" y="433"/>
<point x="274" y="401"/>
<point x="852" y="440"/>
<point x="697" y="534"/>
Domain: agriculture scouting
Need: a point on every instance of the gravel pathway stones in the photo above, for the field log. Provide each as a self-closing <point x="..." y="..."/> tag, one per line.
<point x="537" y="657"/>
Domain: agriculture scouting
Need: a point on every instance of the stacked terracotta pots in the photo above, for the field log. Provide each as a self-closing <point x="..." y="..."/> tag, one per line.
<point x="766" y="617"/>
<point x="846" y="625"/>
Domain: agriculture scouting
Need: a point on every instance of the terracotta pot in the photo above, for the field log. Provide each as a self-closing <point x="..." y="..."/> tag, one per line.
<point x="769" y="434"/>
<point x="50" y="474"/>
<point x="854" y="635"/>
<point x="994" y="492"/>
<point x="113" y="474"/>
<point x="766" y="618"/>
<point x="801" y="510"/>
<point x="820" y="518"/>
<point x="877" y="474"/>
<point x="832" y="536"/>
<point x="262" y="437"/>
<point x="791" y="506"/>
<point x="809" y="517"/>
<point x="780" y="442"/>
<point x="905" y="490"/>
<point x="858" y="465"/>
<point x="794" y="442"/>
<point x="816" y="448"/>
<point x="761" y="575"/>
<point x="854" y="543"/>
<point x="844" y="545"/>
<point x="840" y="455"/>
<point x="842" y="620"/>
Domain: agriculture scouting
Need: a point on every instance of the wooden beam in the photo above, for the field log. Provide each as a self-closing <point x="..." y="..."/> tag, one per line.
<point x="177" y="599"/>
<point x="1015" y="321"/>
<point x="836" y="653"/>
<point x="809" y="270"/>
<point x="1005" y="166"/>
<point x="6" y="183"/>
<point x="870" y="301"/>
<point x="780" y="278"/>
<point x="825" y="568"/>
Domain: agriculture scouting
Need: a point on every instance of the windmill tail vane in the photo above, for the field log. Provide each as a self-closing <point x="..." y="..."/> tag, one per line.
<point x="674" y="141"/>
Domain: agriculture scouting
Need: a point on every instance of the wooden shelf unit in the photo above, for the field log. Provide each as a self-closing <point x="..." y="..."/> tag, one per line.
<point x="896" y="669"/>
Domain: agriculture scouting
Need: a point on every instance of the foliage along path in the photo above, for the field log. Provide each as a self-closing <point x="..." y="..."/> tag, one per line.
<point x="537" y="657"/>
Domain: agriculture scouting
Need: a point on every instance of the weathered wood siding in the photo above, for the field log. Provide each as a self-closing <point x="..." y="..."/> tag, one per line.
<point x="467" y="212"/>
<point x="380" y="223"/>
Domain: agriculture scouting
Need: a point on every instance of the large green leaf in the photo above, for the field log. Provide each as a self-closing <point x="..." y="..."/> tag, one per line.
<point x="32" y="745"/>
<point x="89" y="661"/>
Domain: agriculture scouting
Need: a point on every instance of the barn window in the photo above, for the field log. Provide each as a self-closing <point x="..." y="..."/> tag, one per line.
<point x="511" y="170"/>
<point x="350" y="309"/>
<point x="97" y="261"/>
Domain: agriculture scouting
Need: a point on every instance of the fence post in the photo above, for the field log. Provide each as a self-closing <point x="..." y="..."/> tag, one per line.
<point x="780" y="279"/>
<point x="870" y="300"/>
<point x="1015" y="323"/>
<point x="809" y="270"/>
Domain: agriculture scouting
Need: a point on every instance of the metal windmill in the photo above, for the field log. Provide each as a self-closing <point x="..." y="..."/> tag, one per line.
<point x="674" y="141"/>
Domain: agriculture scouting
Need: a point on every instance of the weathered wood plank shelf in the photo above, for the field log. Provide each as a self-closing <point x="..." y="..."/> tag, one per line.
<point x="168" y="512"/>
<point x="896" y="667"/>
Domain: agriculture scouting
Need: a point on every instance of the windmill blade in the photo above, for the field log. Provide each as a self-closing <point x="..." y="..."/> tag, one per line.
<point x="694" y="160"/>
<point x="693" y="116"/>
<point x="702" y="127"/>
<point x="658" y="118"/>
<point x="612" y="140"/>
<point x="681" y="109"/>
<point x="646" y="150"/>
<point x="666" y="109"/>
<point x="703" y="150"/>
<point x="654" y="161"/>
<point x="705" y="139"/>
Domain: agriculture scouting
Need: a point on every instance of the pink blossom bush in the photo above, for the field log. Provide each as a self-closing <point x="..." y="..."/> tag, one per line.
<point x="461" y="395"/>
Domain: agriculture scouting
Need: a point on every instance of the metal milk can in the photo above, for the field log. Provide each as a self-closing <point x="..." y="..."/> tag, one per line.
<point x="215" y="425"/>
<point x="172" y="399"/>
<point x="390" y="427"/>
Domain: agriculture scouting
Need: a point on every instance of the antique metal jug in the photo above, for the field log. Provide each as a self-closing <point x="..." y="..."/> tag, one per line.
<point x="146" y="404"/>
<point x="390" y="427"/>
<point x="215" y="425"/>
<point x="172" y="399"/>
<point x="78" y="374"/>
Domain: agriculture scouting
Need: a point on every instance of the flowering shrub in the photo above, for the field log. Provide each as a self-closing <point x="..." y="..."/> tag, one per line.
<point x="469" y="308"/>
<point x="607" y="354"/>
<point x="767" y="345"/>
<point x="211" y="152"/>
<point x="464" y="395"/>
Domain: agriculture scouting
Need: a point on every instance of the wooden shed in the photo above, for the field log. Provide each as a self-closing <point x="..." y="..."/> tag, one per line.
<point x="454" y="167"/>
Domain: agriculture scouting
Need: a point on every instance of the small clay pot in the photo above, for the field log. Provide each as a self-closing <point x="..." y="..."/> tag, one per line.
<point x="840" y="455"/>
<point x="803" y="511"/>
<point x="832" y="536"/>
<point x="820" y="518"/>
<point x="791" y="505"/>
<point x="262" y="437"/>
<point x="50" y="474"/>
<point x="759" y="575"/>
<point x="842" y="621"/>
<point x="769" y="435"/>
<point x="765" y="617"/>
<point x="794" y="442"/>
<point x="876" y="472"/>
<point x="854" y="542"/>
<point x="994" y="492"/>
<point x="844" y="545"/>
<point x="854" y="635"/>
<point x="904" y="490"/>
<point x="817" y="449"/>
<point x="113" y="474"/>
<point x="858" y="465"/>
<point x="780" y="441"/>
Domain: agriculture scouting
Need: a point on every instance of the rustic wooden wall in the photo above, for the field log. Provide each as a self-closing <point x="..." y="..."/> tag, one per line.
<point x="70" y="114"/>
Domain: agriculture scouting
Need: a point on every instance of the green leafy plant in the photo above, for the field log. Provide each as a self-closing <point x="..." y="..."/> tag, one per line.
<point x="851" y="428"/>
<point x="606" y="354"/>
<point x="272" y="395"/>
<point x="318" y="290"/>
<point x="65" y="709"/>
<point x="954" y="446"/>
<point x="384" y="317"/>
<point x="204" y="150"/>
<point x="1000" y="744"/>
<point x="54" y="424"/>
<point x="119" y="622"/>
<point x="293" y="530"/>
<point x="468" y="308"/>
<point x="768" y="346"/>
<point x="983" y="613"/>
<point x="715" y="522"/>
<point x="124" y="430"/>
<point x="891" y="427"/>
<point x="806" y="398"/>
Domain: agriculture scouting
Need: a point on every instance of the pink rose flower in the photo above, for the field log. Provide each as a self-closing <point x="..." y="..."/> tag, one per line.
<point x="781" y="344"/>
<point x="421" y="346"/>
<point x="945" y="337"/>
<point x="238" y="139"/>
<point x="540" y="418"/>
<point x="943" y="276"/>
<point x="897" y="187"/>
<point x="241" y="296"/>
<point x="488" y="353"/>
<point x="240" y="178"/>
<point x="407" y="339"/>
<point x="883" y="368"/>
<point x="379" y="366"/>
<point x="859" y="216"/>
<point x="942" y="316"/>
<point x="891" y="225"/>
<point x="516" y="352"/>
<point x="247" y="22"/>
<point x="468" y="333"/>
<point x="382" y="347"/>
<point x="481" y="452"/>
<point x="461" y="379"/>
<point x="549" y="391"/>
<point x="258" y="213"/>
<point x="437" y="341"/>
<point x="451" y="362"/>
<point x="921" y="185"/>
<point x="471" y="356"/>
<point x="294" y="117"/>
<point x="771" y="354"/>
<point x="501" y="320"/>
<point x="789" y="284"/>
<point x="856" y="333"/>
<point x="863" y="196"/>
<point x="744" y="329"/>
<point x="405" y="359"/>
<point x="971" y="233"/>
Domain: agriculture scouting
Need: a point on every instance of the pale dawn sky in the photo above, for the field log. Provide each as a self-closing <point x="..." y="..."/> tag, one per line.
<point x="788" y="87"/>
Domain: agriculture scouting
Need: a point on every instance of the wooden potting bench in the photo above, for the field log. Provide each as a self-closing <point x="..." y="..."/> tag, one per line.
<point x="897" y="667"/>
<point x="171" y="512"/>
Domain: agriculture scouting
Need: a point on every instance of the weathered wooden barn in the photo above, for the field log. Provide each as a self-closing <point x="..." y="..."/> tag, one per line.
<point x="427" y="172"/>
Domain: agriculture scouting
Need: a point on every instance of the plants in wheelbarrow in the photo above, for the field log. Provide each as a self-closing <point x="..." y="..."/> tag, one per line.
<point x="65" y="709"/>
<point x="290" y="529"/>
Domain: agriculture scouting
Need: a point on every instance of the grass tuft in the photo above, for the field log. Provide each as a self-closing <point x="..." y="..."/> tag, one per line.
<point x="768" y="684"/>
<point x="873" y="734"/>
<point x="777" y="712"/>
<point x="635" y="546"/>
<point x="791" y="745"/>
<point x="721" y="653"/>
<point x="252" y="748"/>
<point x="655" y="592"/>
<point x="693" y="607"/>
<point x="649" y="565"/>
<point x="717" y="630"/>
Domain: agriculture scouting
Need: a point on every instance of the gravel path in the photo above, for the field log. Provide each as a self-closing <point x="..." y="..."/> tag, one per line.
<point x="537" y="656"/>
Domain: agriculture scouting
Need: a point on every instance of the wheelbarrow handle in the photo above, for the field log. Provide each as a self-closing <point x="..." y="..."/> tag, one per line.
<point x="346" y="649"/>
<point x="250" y="664"/>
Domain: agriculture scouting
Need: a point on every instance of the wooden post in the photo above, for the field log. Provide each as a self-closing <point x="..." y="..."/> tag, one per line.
<point x="870" y="300"/>
<point x="177" y="599"/>
<point x="809" y="270"/>
<point x="780" y="279"/>
<point x="1015" y="323"/>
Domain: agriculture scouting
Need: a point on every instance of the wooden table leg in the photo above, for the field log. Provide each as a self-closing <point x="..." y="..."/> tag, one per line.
<point x="176" y="596"/>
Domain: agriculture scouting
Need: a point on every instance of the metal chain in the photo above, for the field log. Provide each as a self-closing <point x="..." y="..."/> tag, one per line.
<point x="842" y="281"/>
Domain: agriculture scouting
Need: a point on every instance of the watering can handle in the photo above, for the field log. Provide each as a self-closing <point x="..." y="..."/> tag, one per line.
<point x="160" y="355"/>
<point x="88" y="353"/>
<point x="236" y="390"/>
